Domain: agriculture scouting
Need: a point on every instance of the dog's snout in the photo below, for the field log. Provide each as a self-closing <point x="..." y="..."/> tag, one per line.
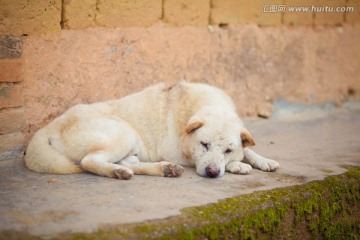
<point x="212" y="171"/>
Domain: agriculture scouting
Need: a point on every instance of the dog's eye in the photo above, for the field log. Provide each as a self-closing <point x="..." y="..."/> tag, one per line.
<point x="205" y="145"/>
<point x="228" y="151"/>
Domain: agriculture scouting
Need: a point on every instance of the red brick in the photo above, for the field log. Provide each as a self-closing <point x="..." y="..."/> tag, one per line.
<point x="10" y="70"/>
<point x="12" y="120"/>
<point x="301" y="17"/>
<point x="353" y="16"/>
<point x="29" y="17"/>
<point x="329" y="18"/>
<point x="115" y="13"/>
<point x="187" y="12"/>
<point x="10" y="95"/>
<point x="244" y="12"/>
<point x="10" y="46"/>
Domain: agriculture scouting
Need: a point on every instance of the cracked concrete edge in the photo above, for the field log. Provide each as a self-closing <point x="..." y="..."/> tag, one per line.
<point x="13" y="154"/>
<point x="327" y="209"/>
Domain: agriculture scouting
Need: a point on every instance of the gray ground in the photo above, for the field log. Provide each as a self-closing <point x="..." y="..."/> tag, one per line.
<point x="309" y="142"/>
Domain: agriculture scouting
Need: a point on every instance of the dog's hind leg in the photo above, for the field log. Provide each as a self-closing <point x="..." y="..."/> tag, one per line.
<point x="260" y="162"/>
<point x="99" y="163"/>
<point x="163" y="169"/>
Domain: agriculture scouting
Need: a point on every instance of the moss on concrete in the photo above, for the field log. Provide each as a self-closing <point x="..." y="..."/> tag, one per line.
<point x="328" y="209"/>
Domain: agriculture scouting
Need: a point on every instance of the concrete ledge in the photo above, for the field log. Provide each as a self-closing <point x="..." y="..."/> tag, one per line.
<point x="328" y="209"/>
<point x="293" y="202"/>
<point x="321" y="209"/>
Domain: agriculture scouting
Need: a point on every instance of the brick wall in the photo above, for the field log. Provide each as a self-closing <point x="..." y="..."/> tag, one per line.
<point x="12" y="117"/>
<point x="19" y="17"/>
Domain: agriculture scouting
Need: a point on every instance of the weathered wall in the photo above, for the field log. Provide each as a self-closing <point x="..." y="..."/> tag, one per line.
<point x="56" y="53"/>
<point x="255" y="65"/>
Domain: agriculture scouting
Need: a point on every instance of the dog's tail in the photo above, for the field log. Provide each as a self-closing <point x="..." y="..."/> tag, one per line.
<point x="43" y="158"/>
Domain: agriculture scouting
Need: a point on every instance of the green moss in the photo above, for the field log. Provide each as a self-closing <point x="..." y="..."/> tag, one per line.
<point x="328" y="209"/>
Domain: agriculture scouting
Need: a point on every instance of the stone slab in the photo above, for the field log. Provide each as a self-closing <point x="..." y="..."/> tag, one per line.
<point x="307" y="149"/>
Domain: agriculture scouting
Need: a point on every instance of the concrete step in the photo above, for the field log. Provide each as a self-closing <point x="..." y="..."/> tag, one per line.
<point x="294" y="202"/>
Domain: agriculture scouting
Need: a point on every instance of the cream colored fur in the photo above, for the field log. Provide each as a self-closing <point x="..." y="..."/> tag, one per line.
<point x="150" y="132"/>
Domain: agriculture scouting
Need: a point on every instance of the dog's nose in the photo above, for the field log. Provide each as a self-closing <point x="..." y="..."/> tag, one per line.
<point x="212" y="172"/>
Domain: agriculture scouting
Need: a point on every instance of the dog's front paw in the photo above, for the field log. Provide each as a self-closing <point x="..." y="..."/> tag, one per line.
<point x="270" y="165"/>
<point x="239" y="168"/>
<point x="172" y="169"/>
<point x="122" y="173"/>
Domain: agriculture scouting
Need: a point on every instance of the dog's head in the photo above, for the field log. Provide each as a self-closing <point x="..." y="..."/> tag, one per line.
<point x="214" y="137"/>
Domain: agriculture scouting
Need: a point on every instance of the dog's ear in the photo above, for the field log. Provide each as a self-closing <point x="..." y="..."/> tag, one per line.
<point x="246" y="139"/>
<point x="194" y="124"/>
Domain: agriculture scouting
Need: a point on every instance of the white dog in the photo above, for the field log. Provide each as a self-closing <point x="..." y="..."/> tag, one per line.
<point x="151" y="132"/>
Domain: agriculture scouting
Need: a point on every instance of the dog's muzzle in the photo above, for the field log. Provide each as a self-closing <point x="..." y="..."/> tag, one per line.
<point x="212" y="171"/>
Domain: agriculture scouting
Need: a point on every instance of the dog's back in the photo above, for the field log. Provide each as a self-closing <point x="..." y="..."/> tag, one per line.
<point x="158" y="114"/>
